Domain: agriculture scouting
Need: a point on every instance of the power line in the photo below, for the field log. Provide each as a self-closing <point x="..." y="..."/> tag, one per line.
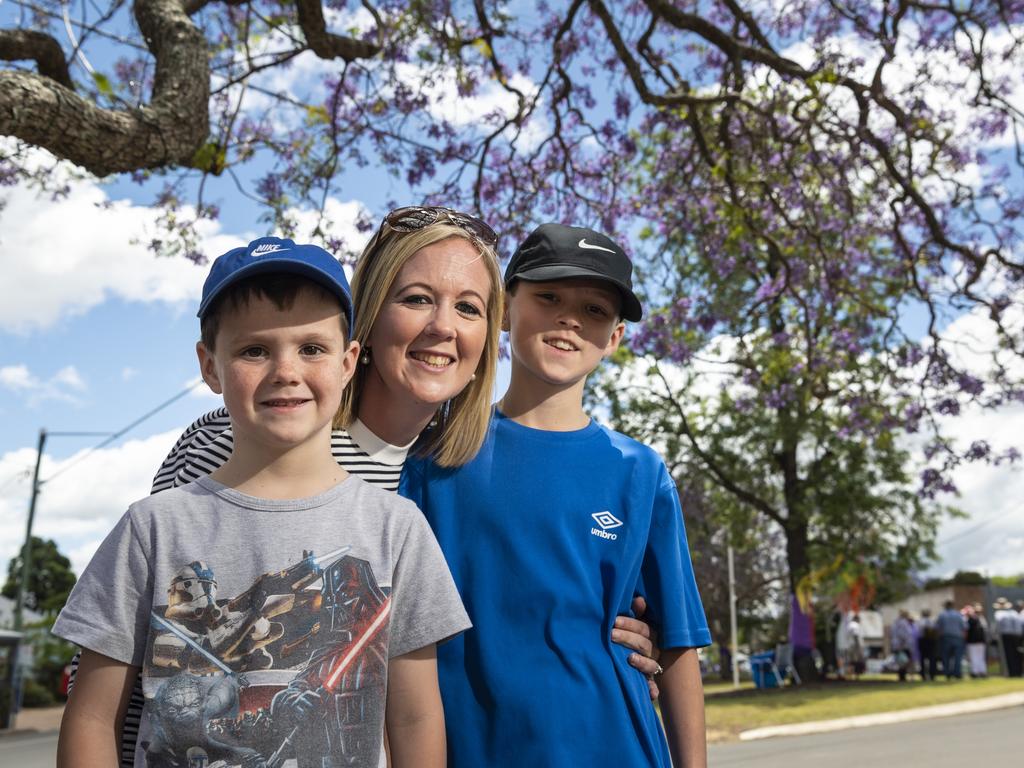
<point x="974" y="528"/>
<point x="112" y="436"/>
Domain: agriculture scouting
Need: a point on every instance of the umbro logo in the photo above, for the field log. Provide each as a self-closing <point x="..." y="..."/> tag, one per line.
<point x="591" y="247"/>
<point x="606" y="520"/>
<point x="265" y="249"/>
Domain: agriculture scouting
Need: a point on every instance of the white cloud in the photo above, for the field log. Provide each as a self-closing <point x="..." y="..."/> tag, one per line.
<point x="60" y="259"/>
<point x="303" y="76"/>
<point x="128" y="373"/>
<point x="339" y="219"/>
<point x="991" y="538"/>
<point x="200" y="390"/>
<point x="63" y="258"/>
<point x="78" y="507"/>
<point x="940" y="78"/>
<point x="62" y="386"/>
<point x="16" y="377"/>
<point x="69" y="377"/>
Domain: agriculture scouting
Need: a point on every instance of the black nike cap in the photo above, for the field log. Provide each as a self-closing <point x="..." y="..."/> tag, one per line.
<point x="558" y="251"/>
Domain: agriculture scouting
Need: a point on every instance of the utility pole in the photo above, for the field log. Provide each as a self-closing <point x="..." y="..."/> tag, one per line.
<point x="26" y="553"/>
<point x="732" y="620"/>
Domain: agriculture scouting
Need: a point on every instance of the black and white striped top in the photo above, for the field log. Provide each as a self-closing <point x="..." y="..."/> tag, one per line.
<point x="206" y="446"/>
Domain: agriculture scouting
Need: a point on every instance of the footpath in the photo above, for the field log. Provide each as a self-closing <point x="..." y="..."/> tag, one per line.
<point x="41" y="720"/>
<point x="886" y="718"/>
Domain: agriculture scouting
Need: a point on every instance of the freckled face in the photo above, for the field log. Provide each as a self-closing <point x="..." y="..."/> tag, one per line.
<point x="430" y="334"/>
<point x="560" y="330"/>
<point x="281" y="372"/>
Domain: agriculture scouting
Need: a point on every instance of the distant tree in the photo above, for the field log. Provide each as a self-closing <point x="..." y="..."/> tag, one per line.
<point x="960" y="579"/>
<point x="1008" y="581"/>
<point x="968" y="579"/>
<point x="758" y="556"/>
<point x="50" y="581"/>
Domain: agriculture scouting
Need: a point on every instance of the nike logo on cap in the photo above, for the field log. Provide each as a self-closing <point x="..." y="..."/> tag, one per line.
<point x="266" y="248"/>
<point x="590" y="246"/>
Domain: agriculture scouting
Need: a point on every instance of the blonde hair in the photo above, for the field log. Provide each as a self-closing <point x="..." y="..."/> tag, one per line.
<point x="461" y="424"/>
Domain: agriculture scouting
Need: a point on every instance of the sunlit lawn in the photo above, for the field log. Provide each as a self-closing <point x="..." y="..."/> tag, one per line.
<point x="730" y="712"/>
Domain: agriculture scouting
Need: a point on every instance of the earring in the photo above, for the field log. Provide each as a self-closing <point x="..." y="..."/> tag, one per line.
<point x="365" y="357"/>
<point x="473" y="377"/>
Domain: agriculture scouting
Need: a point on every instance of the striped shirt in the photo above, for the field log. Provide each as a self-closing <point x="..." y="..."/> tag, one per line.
<point x="205" y="446"/>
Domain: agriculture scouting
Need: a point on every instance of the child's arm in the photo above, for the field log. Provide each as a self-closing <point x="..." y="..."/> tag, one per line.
<point x="414" y="718"/>
<point x="90" y="731"/>
<point x="682" y="708"/>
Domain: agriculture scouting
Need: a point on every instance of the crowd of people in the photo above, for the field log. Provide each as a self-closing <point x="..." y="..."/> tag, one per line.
<point x="928" y="643"/>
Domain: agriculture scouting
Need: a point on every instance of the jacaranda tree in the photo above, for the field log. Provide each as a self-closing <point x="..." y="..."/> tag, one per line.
<point x="812" y="190"/>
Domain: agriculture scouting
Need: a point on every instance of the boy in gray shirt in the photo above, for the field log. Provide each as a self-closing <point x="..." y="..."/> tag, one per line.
<point x="280" y="607"/>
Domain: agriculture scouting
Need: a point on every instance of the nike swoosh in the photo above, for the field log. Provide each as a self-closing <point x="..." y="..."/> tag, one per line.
<point x="584" y="244"/>
<point x="263" y="250"/>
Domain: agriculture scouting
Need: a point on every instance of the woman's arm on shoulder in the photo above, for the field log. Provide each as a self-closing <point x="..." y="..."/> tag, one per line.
<point x="682" y="708"/>
<point x="90" y="731"/>
<point x="414" y="717"/>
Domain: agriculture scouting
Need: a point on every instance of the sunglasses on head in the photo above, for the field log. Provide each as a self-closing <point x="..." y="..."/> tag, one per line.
<point x="414" y="217"/>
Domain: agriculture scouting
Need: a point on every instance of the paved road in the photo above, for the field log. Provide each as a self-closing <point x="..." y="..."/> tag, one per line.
<point x="982" y="740"/>
<point x="30" y="750"/>
<point x="987" y="739"/>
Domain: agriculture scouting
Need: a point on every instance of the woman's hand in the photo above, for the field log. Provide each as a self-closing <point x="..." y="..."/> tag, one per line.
<point x="638" y="635"/>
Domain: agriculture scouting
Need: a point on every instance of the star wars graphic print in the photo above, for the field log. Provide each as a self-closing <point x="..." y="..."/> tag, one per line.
<point x="290" y="672"/>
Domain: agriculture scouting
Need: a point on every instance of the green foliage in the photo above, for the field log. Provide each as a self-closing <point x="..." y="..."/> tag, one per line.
<point x="50" y="655"/>
<point x="210" y="158"/>
<point x="37" y="694"/>
<point x="50" y="579"/>
<point x="759" y="560"/>
<point x="964" y="579"/>
<point x="103" y="83"/>
<point x="1007" y="581"/>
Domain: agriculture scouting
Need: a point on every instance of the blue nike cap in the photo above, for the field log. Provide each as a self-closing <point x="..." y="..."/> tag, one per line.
<point x="277" y="255"/>
<point x="558" y="252"/>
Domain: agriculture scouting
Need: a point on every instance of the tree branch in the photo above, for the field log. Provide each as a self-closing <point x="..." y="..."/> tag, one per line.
<point x="723" y="478"/>
<point x="19" y="44"/>
<point x="636" y="75"/>
<point x="168" y="131"/>
<point x="326" y="44"/>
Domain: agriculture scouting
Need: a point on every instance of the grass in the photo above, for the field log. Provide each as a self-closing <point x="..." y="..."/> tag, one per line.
<point x="729" y="712"/>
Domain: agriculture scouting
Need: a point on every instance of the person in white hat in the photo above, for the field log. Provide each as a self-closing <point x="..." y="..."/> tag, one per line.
<point x="1009" y="627"/>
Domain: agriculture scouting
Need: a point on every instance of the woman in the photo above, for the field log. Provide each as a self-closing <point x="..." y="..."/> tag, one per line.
<point x="428" y="303"/>
<point x="977" y="640"/>
<point x="427" y="293"/>
<point x="903" y="641"/>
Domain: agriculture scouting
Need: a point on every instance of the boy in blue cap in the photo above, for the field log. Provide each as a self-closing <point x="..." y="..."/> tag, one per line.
<point x="272" y="606"/>
<point x="551" y="530"/>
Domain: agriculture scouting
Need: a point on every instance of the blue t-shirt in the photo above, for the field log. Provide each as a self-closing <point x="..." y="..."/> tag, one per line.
<point x="549" y="535"/>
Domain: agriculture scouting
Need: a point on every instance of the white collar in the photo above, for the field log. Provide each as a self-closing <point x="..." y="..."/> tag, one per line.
<point x="376" y="448"/>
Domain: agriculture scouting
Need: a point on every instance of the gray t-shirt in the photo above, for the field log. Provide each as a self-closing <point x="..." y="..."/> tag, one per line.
<point x="263" y="627"/>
